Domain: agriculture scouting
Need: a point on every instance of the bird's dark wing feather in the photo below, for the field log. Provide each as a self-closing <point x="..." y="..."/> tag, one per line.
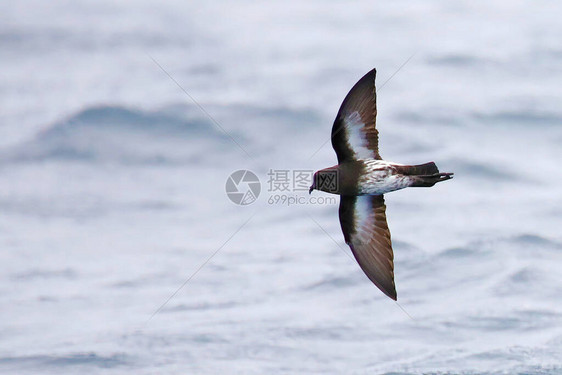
<point x="363" y="222"/>
<point x="354" y="133"/>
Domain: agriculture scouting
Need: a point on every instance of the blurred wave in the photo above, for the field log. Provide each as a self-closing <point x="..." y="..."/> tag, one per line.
<point x="495" y="118"/>
<point x="72" y="360"/>
<point x="532" y="117"/>
<point x="125" y="135"/>
<point x="484" y="172"/>
<point x="457" y="60"/>
<point x="177" y="134"/>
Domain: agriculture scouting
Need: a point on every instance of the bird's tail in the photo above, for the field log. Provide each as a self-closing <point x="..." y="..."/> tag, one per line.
<point x="419" y="170"/>
<point x="424" y="175"/>
<point x="430" y="180"/>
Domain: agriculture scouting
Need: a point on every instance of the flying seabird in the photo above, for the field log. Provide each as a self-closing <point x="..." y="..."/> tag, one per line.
<point x="362" y="177"/>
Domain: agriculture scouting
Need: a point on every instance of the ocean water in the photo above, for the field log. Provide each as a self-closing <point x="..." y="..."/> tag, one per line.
<point x="121" y="252"/>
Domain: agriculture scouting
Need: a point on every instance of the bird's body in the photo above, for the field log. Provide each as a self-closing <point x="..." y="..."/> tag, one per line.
<point x="375" y="177"/>
<point x="361" y="178"/>
<point x="381" y="177"/>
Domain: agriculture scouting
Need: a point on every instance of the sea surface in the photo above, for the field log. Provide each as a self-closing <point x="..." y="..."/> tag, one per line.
<point x="121" y="253"/>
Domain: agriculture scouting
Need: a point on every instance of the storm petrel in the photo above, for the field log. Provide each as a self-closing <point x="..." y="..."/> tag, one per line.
<point x="362" y="177"/>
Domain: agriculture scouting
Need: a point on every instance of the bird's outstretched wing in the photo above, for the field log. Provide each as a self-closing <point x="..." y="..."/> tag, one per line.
<point x="354" y="133"/>
<point x="363" y="222"/>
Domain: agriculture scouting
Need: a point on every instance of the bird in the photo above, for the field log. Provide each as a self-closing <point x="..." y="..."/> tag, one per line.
<point x="362" y="177"/>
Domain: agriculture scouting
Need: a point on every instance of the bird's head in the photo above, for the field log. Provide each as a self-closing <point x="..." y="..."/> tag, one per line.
<point x="313" y="186"/>
<point x="325" y="180"/>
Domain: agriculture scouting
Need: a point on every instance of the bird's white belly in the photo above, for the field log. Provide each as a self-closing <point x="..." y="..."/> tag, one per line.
<point x="381" y="178"/>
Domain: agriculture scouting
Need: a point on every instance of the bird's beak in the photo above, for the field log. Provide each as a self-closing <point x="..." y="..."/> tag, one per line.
<point x="310" y="190"/>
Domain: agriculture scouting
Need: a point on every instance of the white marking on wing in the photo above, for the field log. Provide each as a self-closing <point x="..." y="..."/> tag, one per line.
<point x="362" y="212"/>
<point x="356" y="137"/>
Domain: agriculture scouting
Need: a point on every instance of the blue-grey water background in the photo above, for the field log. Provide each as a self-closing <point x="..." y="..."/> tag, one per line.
<point x="112" y="187"/>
